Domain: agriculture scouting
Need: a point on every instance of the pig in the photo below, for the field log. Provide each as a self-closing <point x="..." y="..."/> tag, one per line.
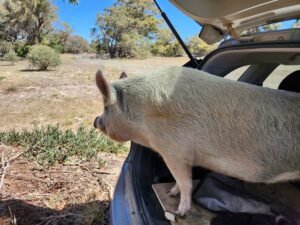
<point x="192" y="118"/>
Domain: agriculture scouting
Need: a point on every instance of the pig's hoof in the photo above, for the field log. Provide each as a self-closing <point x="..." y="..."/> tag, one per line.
<point x="174" y="191"/>
<point x="183" y="210"/>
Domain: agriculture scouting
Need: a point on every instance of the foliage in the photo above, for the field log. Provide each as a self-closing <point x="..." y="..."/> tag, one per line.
<point x="137" y="46"/>
<point x="50" y="145"/>
<point x="28" y="20"/>
<point x="11" y="56"/>
<point x="198" y="47"/>
<point x="166" y="44"/>
<point x="5" y="46"/>
<point x="125" y="25"/>
<point x="43" y="57"/>
<point x="74" y="1"/>
<point x="76" y="45"/>
<point x="263" y="28"/>
<point x="296" y="24"/>
<point x="58" y="38"/>
<point x="22" y="49"/>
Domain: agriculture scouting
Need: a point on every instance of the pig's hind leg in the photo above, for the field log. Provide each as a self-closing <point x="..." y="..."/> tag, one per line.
<point x="182" y="173"/>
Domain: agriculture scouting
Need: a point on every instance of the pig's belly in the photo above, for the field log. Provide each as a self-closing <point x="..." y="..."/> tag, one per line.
<point x="241" y="169"/>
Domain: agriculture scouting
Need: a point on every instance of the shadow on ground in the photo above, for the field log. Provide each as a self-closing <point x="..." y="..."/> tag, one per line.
<point x="19" y="212"/>
<point x="35" y="70"/>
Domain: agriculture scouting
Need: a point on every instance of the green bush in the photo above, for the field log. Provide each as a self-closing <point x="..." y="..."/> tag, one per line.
<point x="43" y="57"/>
<point x="11" y="56"/>
<point x="50" y="145"/>
<point x="22" y="50"/>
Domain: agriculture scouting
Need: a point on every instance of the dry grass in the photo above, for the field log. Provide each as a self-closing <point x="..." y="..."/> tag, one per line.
<point x="66" y="95"/>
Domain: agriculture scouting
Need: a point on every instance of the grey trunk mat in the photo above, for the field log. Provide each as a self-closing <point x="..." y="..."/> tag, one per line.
<point x="285" y="194"/>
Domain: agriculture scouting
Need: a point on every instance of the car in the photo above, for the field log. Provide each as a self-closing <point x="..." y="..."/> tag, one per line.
<point x="243" y="56"/>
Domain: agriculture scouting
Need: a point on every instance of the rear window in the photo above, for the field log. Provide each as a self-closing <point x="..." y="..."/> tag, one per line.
<point x="237" y="73"/>
<point x="287" y="24"/>
<point x="273" y="80"/>
<point x="279" y="74"/>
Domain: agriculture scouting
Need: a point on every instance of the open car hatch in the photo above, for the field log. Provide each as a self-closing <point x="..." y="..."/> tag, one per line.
<point x="230" y="16"/>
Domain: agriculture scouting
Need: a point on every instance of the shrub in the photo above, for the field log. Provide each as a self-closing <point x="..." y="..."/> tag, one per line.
<point x="21" y="49"/>
<point x="10" y="89"/>
<point x="5" y="46"/>
<point x="50" y="145"/>
<point x="11" y="56"/>
<point x="43" y="57"/>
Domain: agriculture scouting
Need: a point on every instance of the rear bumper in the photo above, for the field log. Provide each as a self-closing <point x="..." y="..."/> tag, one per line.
<point x="124" y="209"/>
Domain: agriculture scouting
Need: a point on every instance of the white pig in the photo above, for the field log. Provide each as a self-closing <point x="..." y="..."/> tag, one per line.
<point x="192" y="118"/>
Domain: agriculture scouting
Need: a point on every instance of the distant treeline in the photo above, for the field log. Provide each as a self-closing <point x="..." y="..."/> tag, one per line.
<point x="129" y="28"/>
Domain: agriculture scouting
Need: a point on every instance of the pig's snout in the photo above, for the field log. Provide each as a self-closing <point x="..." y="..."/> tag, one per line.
<point x="98" y="123"/>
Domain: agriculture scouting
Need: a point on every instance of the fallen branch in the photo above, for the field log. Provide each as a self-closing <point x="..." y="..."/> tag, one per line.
<point x="5" y="166"/>
<point x="103" y="172"/>
<point x="13" y="158"/>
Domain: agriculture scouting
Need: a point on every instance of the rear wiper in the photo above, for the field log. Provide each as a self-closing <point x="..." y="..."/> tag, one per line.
<point x="193" y="62"/>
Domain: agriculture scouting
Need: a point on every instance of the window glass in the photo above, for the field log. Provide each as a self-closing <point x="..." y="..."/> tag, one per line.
<point x="279" y="74"/>
<point x="237" y="73"/>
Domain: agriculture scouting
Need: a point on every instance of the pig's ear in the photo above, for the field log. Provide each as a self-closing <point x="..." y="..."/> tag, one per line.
<point x="123" y="75"/>
<point x="105" y="88"/>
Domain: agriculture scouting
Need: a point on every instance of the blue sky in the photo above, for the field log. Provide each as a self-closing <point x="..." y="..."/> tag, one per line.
<point x="82" y="17"/>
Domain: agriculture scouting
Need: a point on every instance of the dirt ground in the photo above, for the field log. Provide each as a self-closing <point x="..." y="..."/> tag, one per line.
<point x="71" y="193"/>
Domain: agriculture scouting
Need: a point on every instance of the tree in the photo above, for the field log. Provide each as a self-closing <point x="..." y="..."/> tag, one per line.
<point x="74" y="1"/>
<point x="263" y="28"/>
<point x="76" y="45"/>
<point x="126" y="25"/>
<point x="270" y="27"/>
<point x="57" y="39"/>
<point x="26" y="19"/>
<point x="199" y="47"/>
<point x="166" y="44"/>
<point x="11" y="21"/>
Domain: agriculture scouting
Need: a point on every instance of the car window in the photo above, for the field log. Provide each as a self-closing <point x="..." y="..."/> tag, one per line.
<point x="283" y="25"/>
<point x="282" y="71"/>
<point x="237" y="73"/>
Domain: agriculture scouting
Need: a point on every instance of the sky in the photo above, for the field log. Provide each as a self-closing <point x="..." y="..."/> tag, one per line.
<point x="82" y="17"/>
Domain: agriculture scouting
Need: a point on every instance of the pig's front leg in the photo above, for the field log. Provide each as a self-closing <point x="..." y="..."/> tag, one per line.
<point x="182" y="173"/>
<point x="174" y="191"/>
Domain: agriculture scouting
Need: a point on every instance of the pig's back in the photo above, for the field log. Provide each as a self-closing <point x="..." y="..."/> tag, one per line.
<point x="225" y="117"/>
